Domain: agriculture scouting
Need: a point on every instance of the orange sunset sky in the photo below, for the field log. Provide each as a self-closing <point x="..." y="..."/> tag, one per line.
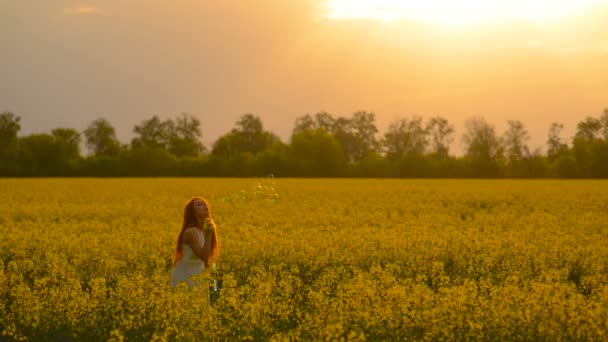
<point x="66" y="63"/>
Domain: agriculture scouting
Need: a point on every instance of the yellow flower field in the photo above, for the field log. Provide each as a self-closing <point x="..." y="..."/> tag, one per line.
<point x="307" y="259"/>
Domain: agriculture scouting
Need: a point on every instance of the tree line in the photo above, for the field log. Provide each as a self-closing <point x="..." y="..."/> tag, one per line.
<point x="321" y="145"/>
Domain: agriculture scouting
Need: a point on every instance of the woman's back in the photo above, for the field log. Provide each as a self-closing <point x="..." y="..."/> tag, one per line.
<point x="190" y="264"/>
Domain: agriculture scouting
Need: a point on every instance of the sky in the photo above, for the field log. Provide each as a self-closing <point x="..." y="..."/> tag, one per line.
<point x="66" y="63"/>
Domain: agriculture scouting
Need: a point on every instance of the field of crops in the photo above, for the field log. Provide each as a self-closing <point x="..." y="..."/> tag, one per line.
<point x="89" y="259"/>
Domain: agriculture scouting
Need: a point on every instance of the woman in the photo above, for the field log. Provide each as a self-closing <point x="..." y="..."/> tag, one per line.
<point x="197" y="243"/>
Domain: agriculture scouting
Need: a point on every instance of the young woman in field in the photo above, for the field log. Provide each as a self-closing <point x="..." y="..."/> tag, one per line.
<point x="197" y="243"/>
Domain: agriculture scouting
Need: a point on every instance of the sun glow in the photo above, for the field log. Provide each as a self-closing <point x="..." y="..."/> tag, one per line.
<point x="456" y="12"/>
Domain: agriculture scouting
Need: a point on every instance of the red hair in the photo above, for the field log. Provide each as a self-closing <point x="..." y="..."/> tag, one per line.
<point x="190" y="220"/>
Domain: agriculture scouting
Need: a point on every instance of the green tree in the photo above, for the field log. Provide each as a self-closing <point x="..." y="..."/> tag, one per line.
<point x="322" y="120"/>
<point x="555" y="146"/>
<point x="515" y="145"/>
<point x="317" y="154"/>
<point x="589" y="148"/>
<point x="364" y="126"/>
<point x="325" y="121"/>
<point x="55" y="154"/>
<point x="185" y="139"/>
<point x="483" y="147"/>
<point x="226" y="146"/>
<point x="343" y="132"/>
<point x="604" y="123"/>
<point x="515" y="141"/>
<point x="304" y="123"/>
<point x="151" y="161"/>
<point x="39" y="155"/>
<point x="101" y="138"/>
<point x="273" y="161"/>
<point x="153" y="133"/>
<point x="247" y="136"/>
<point x="252" y="136"/>
<point x="68" y="140"/>
<point x="249" y="124"/>
<point x="588" y="129"/>
<point x="599" y="159"/>
<point x="372" y="165"/>
<point x="181" y="137"/>
<point x="405" y="136"/>
<point x="357" y="135"/>
<point x="441" y="136"/>
<point x="581" y="151"/>
<point x="414" y="165"/>
<point x="9" y="128"/>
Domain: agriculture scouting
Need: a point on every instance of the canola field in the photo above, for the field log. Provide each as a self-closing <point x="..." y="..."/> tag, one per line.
<point x="307" y="259"/>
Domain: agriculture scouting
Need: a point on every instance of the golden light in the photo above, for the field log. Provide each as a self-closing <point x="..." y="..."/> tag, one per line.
<point x="456" y="12"/>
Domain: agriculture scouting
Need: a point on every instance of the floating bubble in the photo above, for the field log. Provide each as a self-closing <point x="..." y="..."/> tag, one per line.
<point x="264" y="191"/>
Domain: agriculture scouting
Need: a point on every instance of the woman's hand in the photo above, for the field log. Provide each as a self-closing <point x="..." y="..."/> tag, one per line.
<point x="207" y="227"/>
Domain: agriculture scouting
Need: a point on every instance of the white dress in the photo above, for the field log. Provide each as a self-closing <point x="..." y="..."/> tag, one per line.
<point x="189" y="265"/>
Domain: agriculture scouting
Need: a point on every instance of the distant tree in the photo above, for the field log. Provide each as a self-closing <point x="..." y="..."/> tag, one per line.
<point x="599" y="159"/>
<point x="554" y="142"/>
<point x="181" y="137"/>
<point x="317" y="153"/>
<point x="589" y="149"/>
<point x="564" y="166"/>
<point x="68" y="140"/>
<point x="515" y="141"/>
<point x="518" y="156"/>
<point x="480" y="139"/>
<point x="9" y="128"/>
<point x="364" y="126"/>
<point x="483" y="147"/>
<point x="372" y="165"/>
<point x="273" y="161"/>
<point x="40" y="155"/>
<point x="588" y="129"/>
<point x="151" y="161"/>
<point x="153" y="133"/>
<point x="101" y="138"/>
<point x="325" y="121"/>
<point x="441" y="135"/>
<point x="249" y="124"/>
<point x="188" y="127"/>
<point x="357" y="135"/>
<point x="414" y="165"/>
<point x="226" y="146"/>
<point x="405" y="136"/>
<point x="247" y="136"/>
<point x="185" y="139"/>
<point x="106" y="166"/>
<point x="304" y="123"/>
<point x="581" y="151"/>
<point x="251" y="134"/>
<point x="604" y="123"/>
<point x="321" y="120"/>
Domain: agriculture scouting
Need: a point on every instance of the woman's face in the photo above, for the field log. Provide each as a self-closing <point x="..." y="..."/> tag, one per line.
<point x="200" y="208"/>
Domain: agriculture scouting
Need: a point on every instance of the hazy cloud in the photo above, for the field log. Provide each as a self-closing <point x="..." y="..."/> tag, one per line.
<point x="82" y="10"/>
<point x="585" y="48"/>
<point x="277" y="63"/>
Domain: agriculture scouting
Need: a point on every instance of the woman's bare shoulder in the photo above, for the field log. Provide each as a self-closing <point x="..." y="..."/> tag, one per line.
<point x="190" y="233"/>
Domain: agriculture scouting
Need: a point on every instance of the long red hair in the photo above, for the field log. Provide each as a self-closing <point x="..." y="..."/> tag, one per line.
<point x="190" y="220"/>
